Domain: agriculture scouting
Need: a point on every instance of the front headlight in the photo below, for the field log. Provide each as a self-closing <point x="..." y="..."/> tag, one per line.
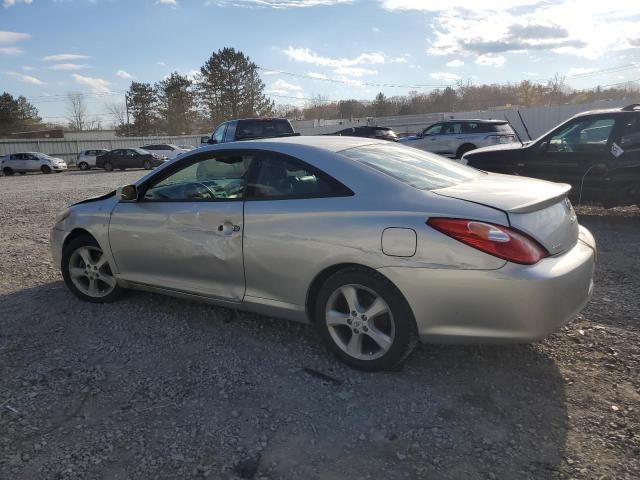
<point x="62" y="215"/>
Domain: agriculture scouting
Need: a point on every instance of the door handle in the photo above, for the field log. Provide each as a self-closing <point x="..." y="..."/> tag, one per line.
<point x="228" y="228"/>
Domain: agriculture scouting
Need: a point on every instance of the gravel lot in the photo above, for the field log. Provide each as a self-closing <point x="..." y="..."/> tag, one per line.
<point x="154" y="387"/>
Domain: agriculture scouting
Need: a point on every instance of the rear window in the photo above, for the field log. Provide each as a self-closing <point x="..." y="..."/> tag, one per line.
<point x="502" y="128"/>
<point x="414" y="167"/>
<point x="262" y="128"/>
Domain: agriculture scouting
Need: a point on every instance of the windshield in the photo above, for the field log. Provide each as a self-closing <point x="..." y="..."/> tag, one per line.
<point x="141" y="151"/>
<point x="263" y="128"/>
<point x="414" y="167"/>
<point x="503" y="128"/>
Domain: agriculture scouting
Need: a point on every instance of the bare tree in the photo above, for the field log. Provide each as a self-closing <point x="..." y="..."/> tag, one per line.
<point x="77" y="110"/>
<point x="118" y="111"/>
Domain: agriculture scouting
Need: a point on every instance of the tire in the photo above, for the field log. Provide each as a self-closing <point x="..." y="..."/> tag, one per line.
<point x="83" y="273"/>
<point x="467" y="147"/>
<point x="45" y="169"/>
<point x="83" y="166"/>
<point x="8" y="171"/>
<point x="394" y="325"/>
<point x="108" y="166"/>
<point x="147" y="165"/>
<point x="22" y="173"/>
<point x="122" y="169"/>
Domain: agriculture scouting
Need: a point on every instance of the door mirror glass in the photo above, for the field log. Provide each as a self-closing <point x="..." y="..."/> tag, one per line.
<point x="129" y="193"/>
<point x="204" y="139"/>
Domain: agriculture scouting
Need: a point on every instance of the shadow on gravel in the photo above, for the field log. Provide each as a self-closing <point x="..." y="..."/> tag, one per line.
<point x="154" y="387"/>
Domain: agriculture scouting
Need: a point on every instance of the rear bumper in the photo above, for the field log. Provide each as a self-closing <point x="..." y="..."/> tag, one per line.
<point x="513" y="304"/>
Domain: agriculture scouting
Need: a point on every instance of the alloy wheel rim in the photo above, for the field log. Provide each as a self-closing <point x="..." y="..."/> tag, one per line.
<point x="90" y="272"/>
<point x="360" y="322"/>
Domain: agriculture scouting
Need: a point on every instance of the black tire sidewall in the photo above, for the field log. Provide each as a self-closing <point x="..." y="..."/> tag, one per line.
<point x="467" y="147"/>
<point x="405" y="337"/>
<point x="45" y="169"/>
<point x="147" y="165"/>
<point x="72" y="246"/>
<point x="8" y="171"/>
<point x="83" y="166"/>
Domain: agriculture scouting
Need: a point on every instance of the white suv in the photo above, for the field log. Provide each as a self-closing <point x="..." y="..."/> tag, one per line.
<point x="87" y="158"/>
<point x="31" y="162"/>
<point x="167" y="149"/>
<point x="454" y="138"/>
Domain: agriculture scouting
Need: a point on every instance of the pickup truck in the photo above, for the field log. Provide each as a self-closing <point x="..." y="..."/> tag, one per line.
<point x="248" y="129"/>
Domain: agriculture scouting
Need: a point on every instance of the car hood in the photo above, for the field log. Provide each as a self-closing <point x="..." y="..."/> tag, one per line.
<point x="409" y="138"/>
<point x="499" y="148"/>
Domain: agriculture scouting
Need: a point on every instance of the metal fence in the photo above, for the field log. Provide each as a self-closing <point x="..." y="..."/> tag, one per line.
<point x="538" y="120"/>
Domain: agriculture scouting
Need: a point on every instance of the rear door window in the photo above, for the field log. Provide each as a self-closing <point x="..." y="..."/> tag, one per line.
<point x="582" y="136"/>
<point x="630" y="133"/>
<point x="414" y="167"/>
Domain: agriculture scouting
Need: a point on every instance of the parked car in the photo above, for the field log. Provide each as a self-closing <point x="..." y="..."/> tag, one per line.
<point x="124" y="158"/>
<point x="31" y="162"/>
<point x="186" y="147"/>
<point x="382" y="133"/>
<point x="596" y="152"/>
<point x="248" y="129"/>
<point x="167" y="149"/>
<point x="454" y="138"/>
<point x="87" y="158"/>
<point x="377" y="244"/>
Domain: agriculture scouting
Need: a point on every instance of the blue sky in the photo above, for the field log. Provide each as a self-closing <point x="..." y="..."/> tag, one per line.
<point x="51" y="47"/>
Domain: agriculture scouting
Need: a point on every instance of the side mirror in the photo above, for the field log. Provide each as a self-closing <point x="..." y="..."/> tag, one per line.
<point x="204" y="139"/>
<point x="128" y="193"/>
<point x="543" y="146"/>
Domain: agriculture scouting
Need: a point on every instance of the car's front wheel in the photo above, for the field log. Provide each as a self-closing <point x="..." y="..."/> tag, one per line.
<point x="87" y="273"/>
<point x="147" y="165"/>
<point x="83" y="166"/>
<point x="8" y="171"/>
<point x="365" y="320"/>
<point x="45" y="169"/>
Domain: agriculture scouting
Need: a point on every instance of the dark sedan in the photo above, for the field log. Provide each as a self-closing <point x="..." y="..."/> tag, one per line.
<point x="123" y="158"/>
<point x="381" y="133"/>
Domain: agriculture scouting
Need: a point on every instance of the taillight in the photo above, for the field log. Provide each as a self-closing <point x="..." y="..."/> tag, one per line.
<point x="496" y="240"/>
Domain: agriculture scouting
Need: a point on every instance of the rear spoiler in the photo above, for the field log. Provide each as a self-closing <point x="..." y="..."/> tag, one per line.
<point x="533" y="206"/>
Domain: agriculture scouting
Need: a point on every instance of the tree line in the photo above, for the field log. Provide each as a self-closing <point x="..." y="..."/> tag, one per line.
<point x="17" y="115"/>
<point x="464" y="96"/>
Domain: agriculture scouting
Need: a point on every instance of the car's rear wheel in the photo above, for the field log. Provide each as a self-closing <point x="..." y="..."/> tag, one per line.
<point x="147" y="165"/>
<point x="87" y="273"/>
<point x="108" y="166"/>
<point x="365" y="320"/>
<point x="45" y="169"/>
<point x="83" y="166"/>
<point x="467" y="147"/>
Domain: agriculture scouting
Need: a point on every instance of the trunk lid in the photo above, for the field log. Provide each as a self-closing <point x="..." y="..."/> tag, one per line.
<point x="538" y="208"/>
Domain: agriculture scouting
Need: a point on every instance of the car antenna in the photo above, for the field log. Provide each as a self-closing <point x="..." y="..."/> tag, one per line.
<point x="514" y="130"/>
<point x="524" y="125"/>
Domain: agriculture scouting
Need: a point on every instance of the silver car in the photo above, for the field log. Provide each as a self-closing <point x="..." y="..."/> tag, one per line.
<point x="377" y="244"/>
<point x="454" y="138"/>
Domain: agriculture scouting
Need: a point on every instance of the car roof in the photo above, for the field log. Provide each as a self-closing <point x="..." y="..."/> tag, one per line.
<point x="477" y="120"/>
<point x="327" y="142"/>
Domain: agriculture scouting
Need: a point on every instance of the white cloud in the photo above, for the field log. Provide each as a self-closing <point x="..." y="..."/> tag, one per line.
<point x="445" y="77"/>
<point x="12" y="37"/>
<point x="489" y="60"/>
<point x="11" y="3"/>
<point x="531" y="74"/>
<point x="375" y="29"/>
<point x="455" y="63"/>
<point x="579" y="71"/>
<point x="280" y="87"/>
<point x="28" y="68"/>
<point x="308" y="56"/>
<point x="97" y="85"/>
<point x="588" y="28"/>
<point x="170" y="3"/>
<point x="123" y="74"/>
<point x="26" y="78"/>
<point x="10" y="51"/>
<point x="317" y="75"/>
<point x="162" y="64"/>
<point x="68" y="66"/>
<point x="277" y="4"/>
<point x="399" y="60"/>
<point x="63" y="57"/>
<point x="354" y="71"/>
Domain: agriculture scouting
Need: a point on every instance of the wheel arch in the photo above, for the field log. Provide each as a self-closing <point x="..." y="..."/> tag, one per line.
<point x="465" y="147"/>
<point x="75" y="233"/>
<point x="322" y="276"/>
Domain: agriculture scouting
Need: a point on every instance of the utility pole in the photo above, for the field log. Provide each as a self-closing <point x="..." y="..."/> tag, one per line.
<point x="126" y="106"/>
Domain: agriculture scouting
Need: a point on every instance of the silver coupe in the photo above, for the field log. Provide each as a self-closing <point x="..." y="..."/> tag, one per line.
<point x="377" y="244"/>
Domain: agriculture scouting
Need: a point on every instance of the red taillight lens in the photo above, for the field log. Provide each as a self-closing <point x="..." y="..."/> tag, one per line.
<point x="496" y="240"/>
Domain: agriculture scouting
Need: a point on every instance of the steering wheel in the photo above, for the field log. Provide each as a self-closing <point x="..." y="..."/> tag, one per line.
<point x="198" y="191"/>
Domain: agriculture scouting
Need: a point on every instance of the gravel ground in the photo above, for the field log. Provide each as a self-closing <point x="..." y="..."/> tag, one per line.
<point x="154" y="387"/>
